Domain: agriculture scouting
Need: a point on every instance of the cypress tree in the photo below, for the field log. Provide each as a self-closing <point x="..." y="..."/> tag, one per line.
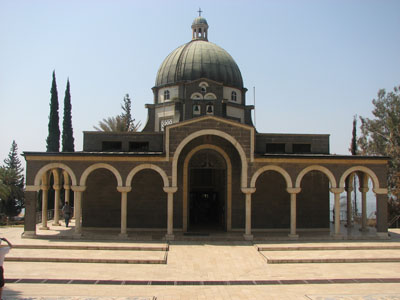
<point x="353" y="147"/>
<point x="12" y="183"/>
<point x="53" y="139"/>
<point x="67" y="135"/>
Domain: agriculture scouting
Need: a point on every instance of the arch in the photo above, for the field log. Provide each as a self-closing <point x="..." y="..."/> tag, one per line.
<point x="66" y="178"/>
<point x="210" y="96"/>
<point x="228" y="182"/>
<point x="90" y="169"/>
<point x="221" y="134"/>
<point x="271" y="168"/>
<point x="203" y="83"/>
<point x="369" y="172"/>
<point x="139" y="168"/>
<point x="46" y="168"/>
<point x="322" y="169"/>
<point x="196" y="96"/>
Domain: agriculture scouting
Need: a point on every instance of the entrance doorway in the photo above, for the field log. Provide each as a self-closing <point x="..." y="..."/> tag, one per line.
<point x="207" y="192"/>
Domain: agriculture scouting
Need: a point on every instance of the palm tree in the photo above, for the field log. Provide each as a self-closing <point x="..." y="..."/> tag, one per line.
<point x="122" y="122"/>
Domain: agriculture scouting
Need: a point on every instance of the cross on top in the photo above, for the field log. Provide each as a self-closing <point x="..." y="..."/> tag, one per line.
<point x="199" y="11"/>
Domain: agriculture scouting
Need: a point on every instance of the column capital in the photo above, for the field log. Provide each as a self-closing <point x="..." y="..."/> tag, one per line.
<point x="380" y="191"/>
<point x="44" y="187"/>
<point x="32" y="188"/>
<point x="124" y="189"/>
<point x="170" y="189"/>
<point x="78" y="188"/>
<point x="348" y="189"/>
<point x="337" y="190"/>
<point x="250" y="190"/>
<point x="363" y="189"/>
<point x="67" y="186"/>
<point x="292" y="190"/>
<point x="57" y="187"/>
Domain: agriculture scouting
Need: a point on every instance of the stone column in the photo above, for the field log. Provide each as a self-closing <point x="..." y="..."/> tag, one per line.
<point x="293" y="212"/>
<point x="78" y="190"/>
<point x="364" y="191"/>
<point x="381" y="212"/>
<point x="349" y="218"/>
<point x="247" y="234"/>
<point x="67" y="189"/>
<point x="57" y="189"/>
<point x="45" y="197"/>
<point x="170" y="190"/>
<point x="30" y="210"/>
<point x="337" y="192"/>
<point x="124" y="190"/>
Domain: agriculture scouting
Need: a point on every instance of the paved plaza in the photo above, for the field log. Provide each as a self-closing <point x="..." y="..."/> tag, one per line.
<point x="59" y="268"/>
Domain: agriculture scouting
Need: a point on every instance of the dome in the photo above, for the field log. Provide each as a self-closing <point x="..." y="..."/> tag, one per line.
<point x="199" y="20"/>
<point x="199" y="59"/>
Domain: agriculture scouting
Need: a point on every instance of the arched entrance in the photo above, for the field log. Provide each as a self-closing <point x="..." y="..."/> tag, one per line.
<point x="207" y="182"/>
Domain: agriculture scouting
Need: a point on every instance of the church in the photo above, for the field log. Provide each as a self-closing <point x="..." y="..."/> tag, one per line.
<point x="200" y="166"/>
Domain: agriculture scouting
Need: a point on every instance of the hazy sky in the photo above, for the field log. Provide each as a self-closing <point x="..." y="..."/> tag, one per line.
<point x="314" y="64"/>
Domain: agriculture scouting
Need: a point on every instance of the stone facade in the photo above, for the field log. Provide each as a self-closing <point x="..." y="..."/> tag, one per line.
<point x="200" y="165"/>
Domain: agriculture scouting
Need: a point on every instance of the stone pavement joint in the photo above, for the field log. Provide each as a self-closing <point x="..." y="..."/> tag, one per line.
<point x="206" y="282"/>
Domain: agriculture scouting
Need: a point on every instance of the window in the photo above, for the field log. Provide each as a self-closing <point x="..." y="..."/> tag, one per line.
<point x="196" y="109"/>
<point x="165" y="122"/>
<point x="275" y="148"/>
<point x="301" y="148"/>
<point x="166" y="95"/>
<point x="210" y="109"/>
<point x="138" y="146"/>
<point x="111" y="146"/>
<point x="234" y="96"/>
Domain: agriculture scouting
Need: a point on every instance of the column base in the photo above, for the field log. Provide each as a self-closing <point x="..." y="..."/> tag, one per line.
<point x="248" y="237"/>
<point x="364" y="229"/>
<point x="169" y="237"/>
<point x="44" y="228"/>
<point x="293" y="236"/>
<point x="123" y="235"/>
<point x="29" y="234"/>
<point x="56" y="224"/>
<point x="383" y="235"/>
<point x="337" y="236"/>
<point x="349" y="225"/>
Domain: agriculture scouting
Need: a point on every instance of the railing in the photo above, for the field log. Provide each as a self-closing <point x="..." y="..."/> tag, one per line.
<point x="395" y="219"/>
<point x="50" y="215"/>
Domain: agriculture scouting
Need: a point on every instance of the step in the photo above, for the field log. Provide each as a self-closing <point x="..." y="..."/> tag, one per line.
<point x="87" y="256"/>
<point x="326" y="247"/>
<point x="331" y="256"/>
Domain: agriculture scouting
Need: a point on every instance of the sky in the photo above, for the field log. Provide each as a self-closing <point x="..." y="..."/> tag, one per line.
<point x="314" y="64"/>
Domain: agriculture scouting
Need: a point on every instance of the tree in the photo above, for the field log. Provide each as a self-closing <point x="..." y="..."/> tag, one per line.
<point x="112" y="124"/>
<point x="12" y="183"/>
<point x="381" y="135"/>
<point x="67" y="135"/>
<point x="122" y="122"/>
<point x="354" y="151"/>
<point x="353" y="146"/>
<point x="53" y="139"/>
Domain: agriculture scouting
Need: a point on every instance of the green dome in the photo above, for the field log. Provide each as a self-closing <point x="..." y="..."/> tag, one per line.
<point x="199" y="20"/>
<point x="199" y="59"/>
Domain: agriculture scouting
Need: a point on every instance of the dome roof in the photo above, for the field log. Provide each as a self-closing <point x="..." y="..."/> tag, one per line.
<point x="199" y="59"/>
<point x="199" y="20"/>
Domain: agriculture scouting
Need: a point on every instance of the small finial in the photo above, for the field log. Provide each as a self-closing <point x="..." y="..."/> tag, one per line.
<point x="199" y="11"/>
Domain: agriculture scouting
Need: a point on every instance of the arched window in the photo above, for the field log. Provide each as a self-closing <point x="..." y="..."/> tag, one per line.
<point x="166" y="95"/>
<point x="196" y="109"/>
<point x="234" y="96"/>
<point x="210" y="109"/>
